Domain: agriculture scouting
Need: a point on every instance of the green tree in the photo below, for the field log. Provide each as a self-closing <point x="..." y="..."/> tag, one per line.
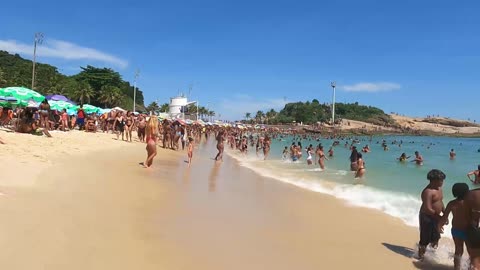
<point x="164" y="107"/>
<point x="270" y="115"/>
<point x="153" y="107"/>
<point x="3" y="80"/>
<point x="110" y="96"/>
<point x="248" y="116"/>
<point x="84" y="92"/>
<point x="259" y="117"/>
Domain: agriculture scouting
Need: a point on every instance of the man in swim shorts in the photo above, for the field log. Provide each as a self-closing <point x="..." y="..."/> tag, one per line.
<point x="430" y="211"/>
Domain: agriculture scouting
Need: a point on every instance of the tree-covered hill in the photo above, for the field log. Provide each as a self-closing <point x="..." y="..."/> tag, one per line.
<point x="313" y="112"/>
<point x="102" y="87"/>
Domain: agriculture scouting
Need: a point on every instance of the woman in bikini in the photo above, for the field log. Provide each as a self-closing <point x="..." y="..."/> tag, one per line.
<point x="44" y="113"/>
<point x="321" y="157"/>
<point x="129" y="121"/>
<point x="151" y="134"/>
<point x="361" y="167"/>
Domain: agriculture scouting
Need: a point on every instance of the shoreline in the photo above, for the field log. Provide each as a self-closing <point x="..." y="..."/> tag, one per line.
<point x="212" y="213"/>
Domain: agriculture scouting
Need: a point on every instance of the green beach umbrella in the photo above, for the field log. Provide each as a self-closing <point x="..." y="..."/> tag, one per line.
<point x="89" y="108"/>
<point x="60" y="105"/>
<point x="22" y="94"/>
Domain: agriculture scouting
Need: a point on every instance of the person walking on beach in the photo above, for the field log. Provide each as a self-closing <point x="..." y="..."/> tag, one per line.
<point x="476" y="174"/>
<point x="459" y="221"/>
<point x="44" y="110"/>
<point x="190" y="150"/>
<point x="151" y="139"/>
<point x="119" y="125"/>
<point x="418" y="159"/>
<point x="432" y="207"/>
<point x="220" y="147"/>
<point x="452" y="154"/>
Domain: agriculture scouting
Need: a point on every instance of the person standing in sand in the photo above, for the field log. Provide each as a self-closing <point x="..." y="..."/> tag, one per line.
<point x="476" y="174"/>
<point x="151" y="139"/>
<point x="129" y="122"/>
<point x="141" y="125"/>
<point x="459" y="221"/>
<point x="190" y="150"/>
<point x="432" y="207"/>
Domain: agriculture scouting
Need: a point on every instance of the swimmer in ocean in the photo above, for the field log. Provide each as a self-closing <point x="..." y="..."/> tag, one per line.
<point x="403" y="157"/>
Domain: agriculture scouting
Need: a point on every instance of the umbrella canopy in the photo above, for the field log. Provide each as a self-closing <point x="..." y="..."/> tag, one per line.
<point x="59" y="98"/>
<point x="60" y="105"/>
<point x="90" y="108"/>
<point x="21" y="93"/>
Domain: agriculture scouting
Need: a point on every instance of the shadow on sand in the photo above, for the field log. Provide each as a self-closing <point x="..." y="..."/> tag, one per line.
<point x="410" y="253"/>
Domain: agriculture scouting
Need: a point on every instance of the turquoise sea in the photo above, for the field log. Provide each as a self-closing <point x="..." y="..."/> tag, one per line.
<point x="389" y="186"/>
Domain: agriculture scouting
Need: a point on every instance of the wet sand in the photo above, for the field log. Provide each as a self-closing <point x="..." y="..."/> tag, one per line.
<point x="104" y="211"/>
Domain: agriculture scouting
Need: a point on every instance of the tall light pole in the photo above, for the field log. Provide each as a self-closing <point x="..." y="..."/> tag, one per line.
<point x="137" y="73"/>
<point x="333" y="85"/>
<point x="38" y="39"/>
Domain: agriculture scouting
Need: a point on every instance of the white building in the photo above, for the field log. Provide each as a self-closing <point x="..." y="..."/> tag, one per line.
<point x="176" y="109"/>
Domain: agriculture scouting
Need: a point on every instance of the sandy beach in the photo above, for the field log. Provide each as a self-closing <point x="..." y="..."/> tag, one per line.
<point x="82" y="201"/>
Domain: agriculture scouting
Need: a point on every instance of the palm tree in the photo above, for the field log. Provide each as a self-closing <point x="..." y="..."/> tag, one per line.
<point x="211" y="114"/>
<point x="271" y="114"/>
<point x="259" y="116"/>
<point x="84" y="92"/>
<point x="248" y="116"/>
<point x="110" y="95"/>
<point x="164" y="107"/>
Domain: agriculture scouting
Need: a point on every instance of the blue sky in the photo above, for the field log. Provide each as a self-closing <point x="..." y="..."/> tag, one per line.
<point x="412" y="57"/>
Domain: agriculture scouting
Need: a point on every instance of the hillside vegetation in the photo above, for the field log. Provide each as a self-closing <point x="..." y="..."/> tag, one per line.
<point x="102" y="87"/>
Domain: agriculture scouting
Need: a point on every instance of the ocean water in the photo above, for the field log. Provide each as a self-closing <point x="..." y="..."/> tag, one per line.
<point x="389" y="186"/>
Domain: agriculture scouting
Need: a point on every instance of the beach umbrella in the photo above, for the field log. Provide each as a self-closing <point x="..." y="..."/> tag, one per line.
<point x="59" y="98"/>
<point x="90" y="108"/>
<point x="71" y="111"/>
<point x="21" y="93"/>
<point x="60" y="105"/>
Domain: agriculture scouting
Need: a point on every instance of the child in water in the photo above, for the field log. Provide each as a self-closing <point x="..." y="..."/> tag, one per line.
<point x="459" y="221"/>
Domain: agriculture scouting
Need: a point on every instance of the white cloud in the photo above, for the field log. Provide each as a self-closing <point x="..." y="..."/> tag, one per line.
<point x="62" y="49"/>
<point x="235" y="107"/>
<point x="371" y="87"/>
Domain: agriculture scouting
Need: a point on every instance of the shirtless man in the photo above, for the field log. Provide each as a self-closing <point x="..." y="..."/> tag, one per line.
<point x="418" y="158"/>
<point x="432" y="207"/>
<point x="475" y="173"/>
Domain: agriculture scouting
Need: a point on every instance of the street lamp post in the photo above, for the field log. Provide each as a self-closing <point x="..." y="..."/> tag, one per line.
<point x="333" y="85"/>
<point x="137" y="72"/>
<point x="38" y="39"/>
